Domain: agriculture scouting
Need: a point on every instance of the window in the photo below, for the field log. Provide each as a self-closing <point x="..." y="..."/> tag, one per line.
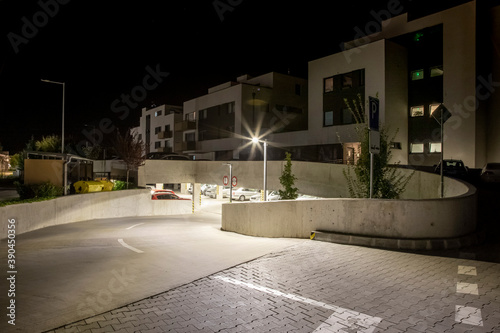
<point x="297" y="89"/>
<point x="347" y="117"/>
<point x="157" y="129"/>
<point x="417" y="75"/>
<point x="417" y="111"/>
<point x="230" y="108"/>
<point x="189" y="137"/>
<point x="433" y="107"/>
<point x="395" y="145"/>
<point x="328" y="118"/>
<point x="204" y="114"/>
<point x="329" y="84"/>
<point x="157" y="144"/>
<point x="416" y="148"/>
<point x="437" y="71"/>
<point x="346" y="80"/>
<point x="435" y="147"/>
<point x="167" y="128"/>
<point x="158" y="113"/>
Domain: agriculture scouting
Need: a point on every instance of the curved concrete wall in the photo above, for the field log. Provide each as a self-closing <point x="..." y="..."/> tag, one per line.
<point x="400" y="219"/>
<point x="83" y="207"/>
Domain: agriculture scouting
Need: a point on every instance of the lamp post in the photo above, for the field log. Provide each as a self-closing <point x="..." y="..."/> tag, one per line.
<point x="63" y="97"/>
<point x="256" y="140"/>
<point x="230" y="181"/>
<point x="442" y="116"/>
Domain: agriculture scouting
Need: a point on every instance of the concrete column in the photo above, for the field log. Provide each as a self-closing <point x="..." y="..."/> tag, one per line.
<point x="219" y="192"/>
<point x="196" y="195"/>
<point x="184" y="188"/>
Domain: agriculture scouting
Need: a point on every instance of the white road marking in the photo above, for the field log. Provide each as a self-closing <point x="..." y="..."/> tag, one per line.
<point x="467" y="288"/>
<point x="343" y="320"/>
<point x="467" y="270"/>
<point x="135" y="225"/>
<point x="468" y="315"/>
<point x="129" y="247"/>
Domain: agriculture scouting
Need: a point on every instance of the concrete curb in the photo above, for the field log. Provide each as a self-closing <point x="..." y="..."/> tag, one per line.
<point x="400" y="244"/>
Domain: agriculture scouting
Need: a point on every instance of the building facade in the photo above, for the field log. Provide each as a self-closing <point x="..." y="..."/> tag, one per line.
<point x="231" y="114"/>
<point x="157" y="128"/>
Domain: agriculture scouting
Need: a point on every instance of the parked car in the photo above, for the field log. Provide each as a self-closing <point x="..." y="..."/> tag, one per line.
<point x="167" y="156"/>
<point x="491" y="173"/>
<point x="244" y="193"/>
<point x="452" y="168"/>
<point x="156" y="190"/>
<point x="271" y="196"/>
<point x="225" y="191"/>
<point x="211" y="192"/>
<point x="206" y="187"/>
<point x="166" y="196"/>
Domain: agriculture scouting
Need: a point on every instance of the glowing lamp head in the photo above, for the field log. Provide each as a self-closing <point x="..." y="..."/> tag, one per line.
<point x="255" y="140"/>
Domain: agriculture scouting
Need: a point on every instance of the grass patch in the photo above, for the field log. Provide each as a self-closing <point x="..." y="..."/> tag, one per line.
<point x="19" y="201"/>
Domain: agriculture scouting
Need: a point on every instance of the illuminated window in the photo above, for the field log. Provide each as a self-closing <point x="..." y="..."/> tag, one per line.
<point x="157" y="113"/>
<point x="433" y="107"/>
<point x="417" y="75"/>
<point x="435" y="147"/>
<point x="437" y="71"/>
<point x="417" y="111"/>
<point x="416" y="148"/>
<point x="329" y="84"/>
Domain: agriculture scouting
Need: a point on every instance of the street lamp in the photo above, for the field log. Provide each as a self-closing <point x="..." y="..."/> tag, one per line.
<point x="256" y="140"/>
<point x="63" y="96"/>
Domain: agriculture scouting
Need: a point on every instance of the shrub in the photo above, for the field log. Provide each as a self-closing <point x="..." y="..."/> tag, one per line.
<point x="34" y="191"/>
<point x="121" y="185"/>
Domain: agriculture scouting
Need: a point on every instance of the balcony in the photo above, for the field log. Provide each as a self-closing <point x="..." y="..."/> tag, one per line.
<point x="185" y="125"/>
<point x="183" y="146"/>
<point x="164" y="150"/>
<point x="165" y="135"/>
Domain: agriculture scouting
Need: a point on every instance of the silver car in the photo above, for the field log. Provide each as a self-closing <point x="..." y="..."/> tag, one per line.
<point x="244" y="193"/>
<point x="271" y="196"/>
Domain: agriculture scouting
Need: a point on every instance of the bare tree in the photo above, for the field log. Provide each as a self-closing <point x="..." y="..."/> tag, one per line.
<point x="130" y="149"/>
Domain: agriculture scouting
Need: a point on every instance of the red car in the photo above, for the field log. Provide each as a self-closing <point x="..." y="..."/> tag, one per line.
<point x="166" y="196"/>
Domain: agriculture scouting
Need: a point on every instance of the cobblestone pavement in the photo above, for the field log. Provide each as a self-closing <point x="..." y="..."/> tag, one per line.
<point x="315" y="286"/>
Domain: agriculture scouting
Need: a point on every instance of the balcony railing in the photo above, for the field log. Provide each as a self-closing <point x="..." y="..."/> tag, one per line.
<point x="164" y="150"/>
<point x="185" y="125"/>
<point x="165" y="135"/>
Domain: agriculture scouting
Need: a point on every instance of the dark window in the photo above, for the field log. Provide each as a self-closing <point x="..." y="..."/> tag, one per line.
<point x="297" y="89"/>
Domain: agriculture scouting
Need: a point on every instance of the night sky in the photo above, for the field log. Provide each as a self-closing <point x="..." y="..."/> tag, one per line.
<point x="104" y="51"/>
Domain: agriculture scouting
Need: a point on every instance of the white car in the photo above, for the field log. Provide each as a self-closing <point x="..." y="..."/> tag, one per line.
<point x="271" y="196"/>
<point x="244" y="193"/>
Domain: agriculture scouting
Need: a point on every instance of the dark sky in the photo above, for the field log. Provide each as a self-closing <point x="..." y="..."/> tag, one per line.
<point x="101" y="50"/>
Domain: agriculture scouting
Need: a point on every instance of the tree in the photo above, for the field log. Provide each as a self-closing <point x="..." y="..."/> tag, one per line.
<point x="130" y="149"/>
<point x="287" y="180"/>
<point x="51" y="143"/>
<point x="388" y="182"/>
<point x="92" y="152"/>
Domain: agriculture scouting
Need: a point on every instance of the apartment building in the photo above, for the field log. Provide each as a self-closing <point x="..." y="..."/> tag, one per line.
<point x="232" y="113"/>
<point x="427" y="56"/>
<point x="157" y="128"/>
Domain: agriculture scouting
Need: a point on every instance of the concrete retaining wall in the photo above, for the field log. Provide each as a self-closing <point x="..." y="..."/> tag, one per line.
<point x="83" y="207"/>
<point x="400" y="219"/>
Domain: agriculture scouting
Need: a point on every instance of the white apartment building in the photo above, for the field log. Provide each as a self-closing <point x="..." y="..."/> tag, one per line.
<point x="157" y="128"/>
